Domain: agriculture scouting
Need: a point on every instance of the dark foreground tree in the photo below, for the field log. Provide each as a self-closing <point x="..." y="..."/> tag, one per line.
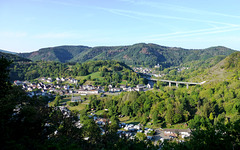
<point x="220" y="136"/>
<point x="28" y="123"/>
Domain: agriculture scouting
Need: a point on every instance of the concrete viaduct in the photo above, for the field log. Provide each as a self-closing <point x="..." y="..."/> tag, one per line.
<point x="179" y="82"/>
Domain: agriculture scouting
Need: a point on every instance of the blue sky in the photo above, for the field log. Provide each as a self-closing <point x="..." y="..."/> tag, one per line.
<point x="28" y="25"/>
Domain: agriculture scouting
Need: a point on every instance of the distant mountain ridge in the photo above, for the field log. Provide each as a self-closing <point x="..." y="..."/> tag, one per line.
<point x="4" y="51"/>
<point x="136" y="54"/>
<point x="13" y="57"/>
<point x="59" y="53"/>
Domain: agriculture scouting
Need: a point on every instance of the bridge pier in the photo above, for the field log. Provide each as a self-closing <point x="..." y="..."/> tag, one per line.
<point x="187" y="86"/>
<point x="177" y="85"/>
<point x="169" y="84"/>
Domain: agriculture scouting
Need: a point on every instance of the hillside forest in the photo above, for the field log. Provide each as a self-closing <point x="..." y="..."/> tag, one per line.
<point x="211" y="110"/>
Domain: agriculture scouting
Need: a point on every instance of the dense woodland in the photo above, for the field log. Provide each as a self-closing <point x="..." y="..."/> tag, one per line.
<point x="112" y="72"/>
<point x="198" y="106"/>
<point x="211" y="110"/>
<point x="136" y="54"/>
<point x="191" y="69"/>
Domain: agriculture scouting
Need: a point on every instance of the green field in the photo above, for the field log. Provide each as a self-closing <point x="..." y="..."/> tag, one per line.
<point x="67" y="100"/>
<point x="95" y="75"/>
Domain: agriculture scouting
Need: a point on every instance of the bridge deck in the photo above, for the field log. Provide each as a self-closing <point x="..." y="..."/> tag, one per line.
<point x="180" y="82"/>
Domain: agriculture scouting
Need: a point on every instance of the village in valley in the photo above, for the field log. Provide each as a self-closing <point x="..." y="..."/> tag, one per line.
<point x="46" y="86"/>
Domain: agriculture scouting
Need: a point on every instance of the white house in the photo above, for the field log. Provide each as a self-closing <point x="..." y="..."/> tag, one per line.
<point x="88" y="92"/>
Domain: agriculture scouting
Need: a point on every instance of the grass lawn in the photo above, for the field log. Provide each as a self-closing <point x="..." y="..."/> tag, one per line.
<point x="64" y="100"/>
<point x="100" y="112"/>
<point x="179" y="126"/>
<point x="129" y="120"/>
<point x="95" y="75"/>
<point x="67" y="100"/>
<point x="51" y="104"/>
<point x="123" y="82"/>
<point x="79" y="107"/>
<point x="124" y="119"/>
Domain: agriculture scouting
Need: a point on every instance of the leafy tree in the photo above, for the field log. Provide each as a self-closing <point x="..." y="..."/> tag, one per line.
<point x="141" y="136"/>
<point x="106" y="89"/>
<point x="211" y="116"/>
<point x="155" y="117"/>
<point x="4" y="76"/>
<point x="57" y="100"/>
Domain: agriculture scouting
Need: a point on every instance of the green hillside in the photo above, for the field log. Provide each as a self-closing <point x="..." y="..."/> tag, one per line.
<point x="225" y="70"/>
<point x="137" y="54"/>
<point x="60" y="53"/>
<point x="13" y="57"/>
<point x="96" y="72"/>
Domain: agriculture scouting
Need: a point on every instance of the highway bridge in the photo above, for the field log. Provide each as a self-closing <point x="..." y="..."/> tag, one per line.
<point x="178" y="82"/>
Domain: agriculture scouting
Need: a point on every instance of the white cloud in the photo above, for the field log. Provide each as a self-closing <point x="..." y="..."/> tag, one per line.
<point x="194" y="33"/>
<point x="178" y="8"/>
<point x="135" y="14"/>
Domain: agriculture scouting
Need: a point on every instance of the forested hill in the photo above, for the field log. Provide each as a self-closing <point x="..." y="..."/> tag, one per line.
<point x="213" y="70"/>
<point x="59" y="53"/>
<point x="13" y="57"/>
<point x="4" y="51"/>
<point x="101" y="72"/>
<point x="225" y="70"/>
<point x="137" y="54"/>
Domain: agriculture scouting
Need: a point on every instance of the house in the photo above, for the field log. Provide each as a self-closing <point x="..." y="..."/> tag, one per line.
<point x="88" y="92"/>
<point x="66" y="87"/>
<point x="175" y="132"/>
<point x="88" y="87"/>
<point x="39" y="86"/>
<point x="115" y="90"/>
<point x="71" y="91"/>
<point x="42" y="79"/>
<point x="157" y="66"/>
<point x="26" y="82"/>
<point x="149" y="86"/>
<point x="33" y="85"/>
<point x="140" y="86"/>
<point x="110" y="86"/>
<point x="30" y="89"/>
<point x="58" y="87"/>
<point x="44" y="91"/>
<point x="123" y="87"/>
<point x="17" y="82"/>
<point x="139" y="89"/>
<point x="137" y="127"/>
<point x="73" y="80"/>
<point x="24" y="86"/>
